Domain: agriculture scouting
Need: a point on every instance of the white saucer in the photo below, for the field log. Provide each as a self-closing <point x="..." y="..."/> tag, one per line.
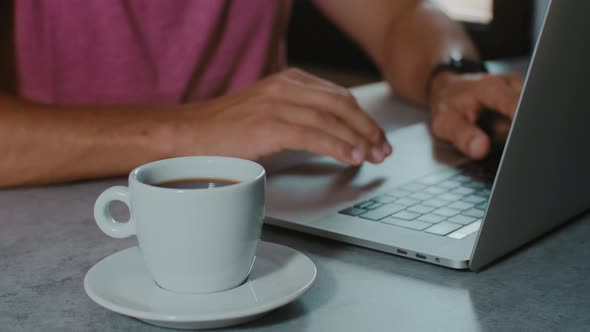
<point x="122" y="283"/>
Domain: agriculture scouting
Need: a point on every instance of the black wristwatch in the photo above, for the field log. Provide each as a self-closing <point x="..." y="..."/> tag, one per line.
<point x="455" y="65"/>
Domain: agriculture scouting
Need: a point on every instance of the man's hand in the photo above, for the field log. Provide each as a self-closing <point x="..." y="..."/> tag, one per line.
<point x="457" y="101"/>
<point x="43" y="144"/>
<point x="289" y="110"/>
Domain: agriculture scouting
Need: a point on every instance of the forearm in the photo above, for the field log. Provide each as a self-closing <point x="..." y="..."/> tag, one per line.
<point x="415" y="43"/>
<point x="42" y="144"/>
<point x="405" y="38"/>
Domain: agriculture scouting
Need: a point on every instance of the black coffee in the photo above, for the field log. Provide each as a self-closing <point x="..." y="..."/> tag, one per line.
<point x="196" y="183"/>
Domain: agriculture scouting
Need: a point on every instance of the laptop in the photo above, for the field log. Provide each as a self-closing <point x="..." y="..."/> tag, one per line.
<point x="426" y="202"/>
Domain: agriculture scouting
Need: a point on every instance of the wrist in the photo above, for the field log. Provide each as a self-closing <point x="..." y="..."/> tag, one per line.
<point x="170" y="133"/>
<point x="180" y="132"/>
<point x="453" y="67"/>
<point x="188" y="127"/>
<point x="440" y="82"/>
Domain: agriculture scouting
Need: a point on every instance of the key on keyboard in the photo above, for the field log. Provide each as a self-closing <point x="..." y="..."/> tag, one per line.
<point x="462" y="191"/>
<point x="382" y="212"/>
<point x="407" y="201"/>
<point x="419" y="208"/>
<point x="353" y="211"/>
<point x="374" y="206"/>
<point x="449" y="197"/>
<point x="474" y="199"/>
<point x="477" y="213"/>
<point x="420" y="196"/>
<point x="406" y="215"/>
<point x="432" y="218"/>
<point x="364" y="204"/>
<point x="398" y="193"/>
<point x="385" y="199"/>
<point x="434" y="190"/>
<point x="461" y="219"/>
<point x="466" y="231"/>
<point x="436" y="202"/>
<point x="460" y="205"/>
<point x="446" y="212"/>
<point x="412" y="224"/>
<point x="461" y="178"/>
<point x="449" y="184"/>
<point x="413" y="187"/>
<point x="443" y="228"/>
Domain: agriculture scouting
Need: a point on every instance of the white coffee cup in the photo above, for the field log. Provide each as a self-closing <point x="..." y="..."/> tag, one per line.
<point x="192" y="240"/>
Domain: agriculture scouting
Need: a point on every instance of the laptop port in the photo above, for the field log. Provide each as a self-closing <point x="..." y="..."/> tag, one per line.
<point x="403" y="252"/>
<point x="421" y="256"/>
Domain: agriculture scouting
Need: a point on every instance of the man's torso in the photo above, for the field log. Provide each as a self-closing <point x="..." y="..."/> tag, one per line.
<point x="97" y="52"/>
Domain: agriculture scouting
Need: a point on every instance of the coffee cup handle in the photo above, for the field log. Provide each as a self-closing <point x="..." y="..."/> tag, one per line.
<point x="103" y="217"/>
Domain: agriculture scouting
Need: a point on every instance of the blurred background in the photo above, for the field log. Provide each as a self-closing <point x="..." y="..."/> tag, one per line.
<point x="501" y="29"/>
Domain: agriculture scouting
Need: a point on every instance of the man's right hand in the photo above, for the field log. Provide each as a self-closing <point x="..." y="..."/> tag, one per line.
<point x="43" y="144"/>
<point x="290" y="110"/>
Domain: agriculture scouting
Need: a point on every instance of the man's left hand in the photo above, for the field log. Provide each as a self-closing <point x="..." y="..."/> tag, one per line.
<point x="457" y="101"/>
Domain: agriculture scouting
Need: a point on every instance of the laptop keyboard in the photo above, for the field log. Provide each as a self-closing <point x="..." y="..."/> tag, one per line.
<point x="449" y="203"/>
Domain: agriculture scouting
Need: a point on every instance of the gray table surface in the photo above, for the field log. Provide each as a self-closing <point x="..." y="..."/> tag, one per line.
<point x="48" y="241"/>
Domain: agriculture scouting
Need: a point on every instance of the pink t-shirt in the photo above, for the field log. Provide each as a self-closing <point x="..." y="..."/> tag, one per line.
<point x="139" y="51"/>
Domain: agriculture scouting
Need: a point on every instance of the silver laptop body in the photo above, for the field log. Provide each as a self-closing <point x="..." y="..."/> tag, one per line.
<point x="428" y="203"/>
